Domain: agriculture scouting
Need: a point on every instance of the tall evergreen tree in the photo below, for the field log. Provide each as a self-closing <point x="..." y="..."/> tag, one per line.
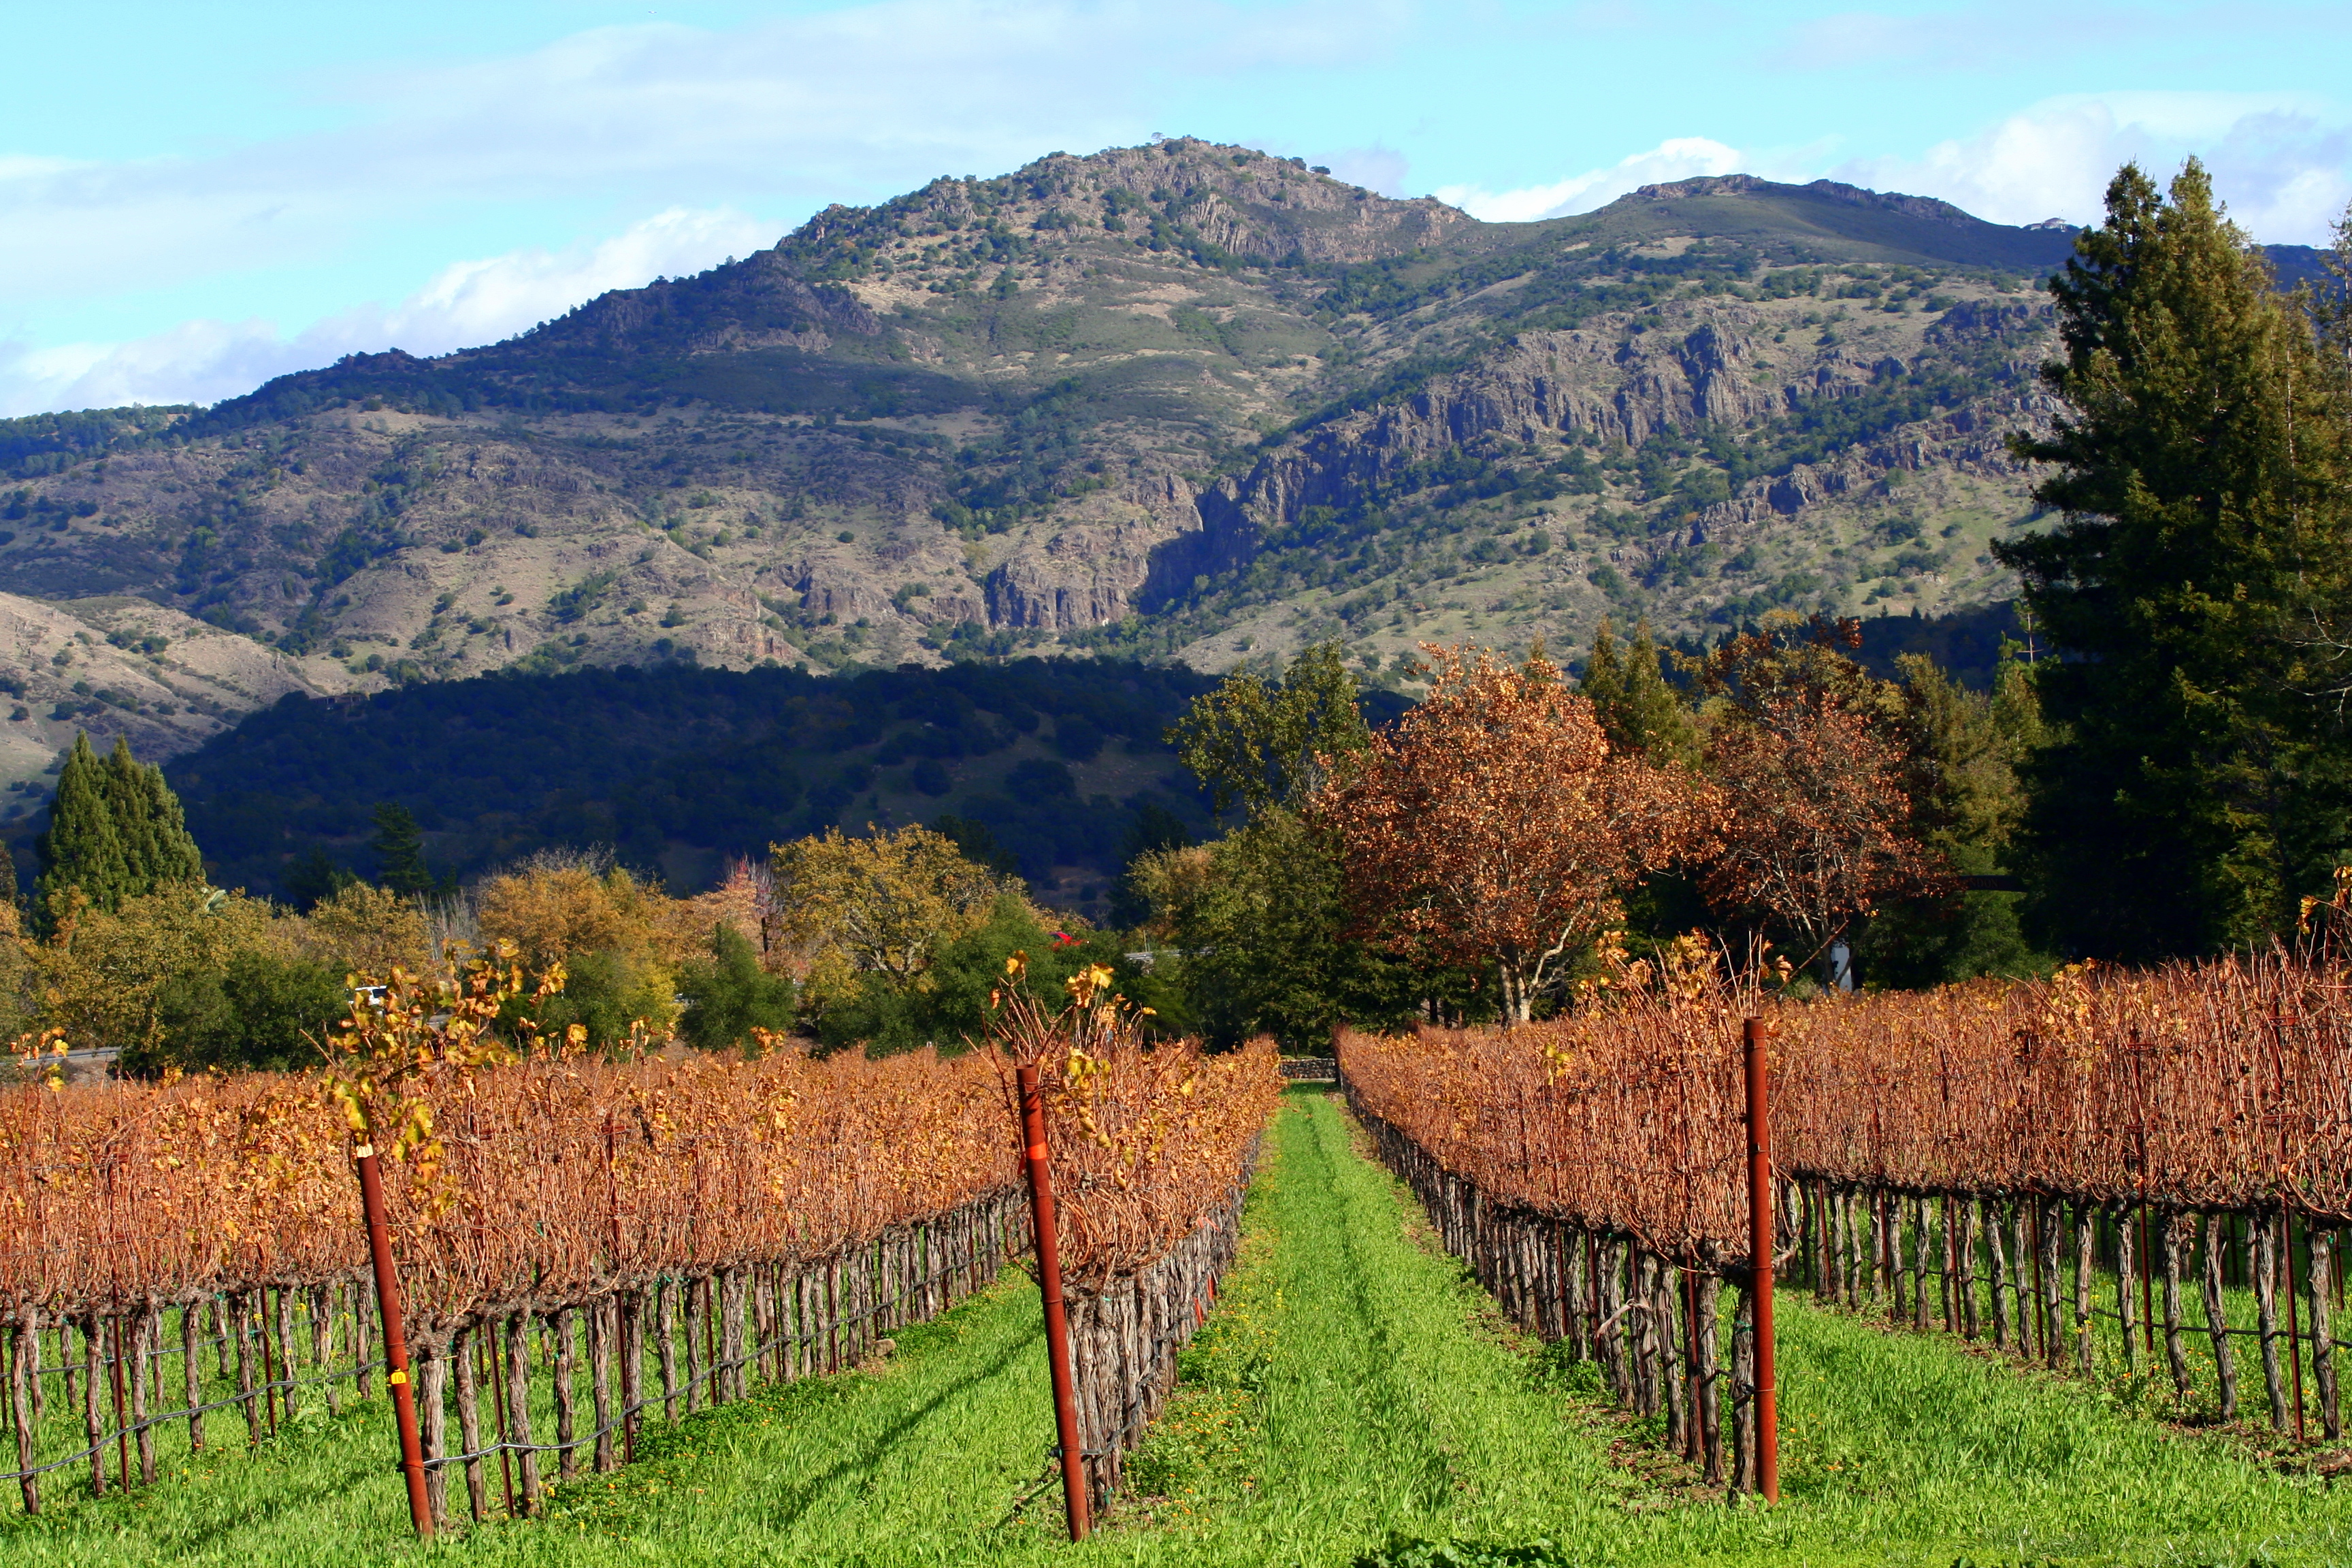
<point x="116" y="831"/>
<point x="1638" y="707"/>
<point x="150" y="823"/>
<point x="2197" y="781"/>
<point x="79" y="848"/>
<point x="399" y="849"/>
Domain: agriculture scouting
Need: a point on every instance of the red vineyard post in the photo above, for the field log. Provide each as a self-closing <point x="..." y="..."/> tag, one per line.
<point x="1760" y="1251"/>
<point x="1057" y="1320"/>
<point x="395" y="1339"/>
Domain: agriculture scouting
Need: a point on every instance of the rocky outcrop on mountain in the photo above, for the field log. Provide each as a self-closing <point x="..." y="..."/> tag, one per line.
<point x="1685" y="366"/>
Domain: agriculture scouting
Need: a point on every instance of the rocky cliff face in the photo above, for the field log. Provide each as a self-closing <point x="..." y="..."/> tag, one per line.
<point x="1180" y="399"/>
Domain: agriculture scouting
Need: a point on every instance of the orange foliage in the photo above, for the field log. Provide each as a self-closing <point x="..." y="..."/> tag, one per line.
<point x="1815" y="812"/>
<point x="2215" y="1086"/>
<point x="561" y="1178"/>
<point x="1492" y="825"/>
<point x="1148" y="1140"/>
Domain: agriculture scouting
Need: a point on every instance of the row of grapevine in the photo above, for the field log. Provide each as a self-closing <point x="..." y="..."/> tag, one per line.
<point x="1593" y="1180"/>
<point x="2064" y="1167"/>
<point x="581" y="1244"/>
<point x="2002" y="1159"/>
<point x="677" y="1223"/>
<point x="1152" y="1148"/>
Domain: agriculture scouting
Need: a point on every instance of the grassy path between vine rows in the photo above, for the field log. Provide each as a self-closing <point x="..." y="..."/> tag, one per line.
<point x="1351" y="1401"/>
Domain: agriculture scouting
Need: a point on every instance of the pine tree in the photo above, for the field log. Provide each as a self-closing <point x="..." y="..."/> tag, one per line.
<point x="399" y="849"/>
<point x="2197" y="785"/>
<point x="1638" y="708"/>
<point x="116" y="831"/>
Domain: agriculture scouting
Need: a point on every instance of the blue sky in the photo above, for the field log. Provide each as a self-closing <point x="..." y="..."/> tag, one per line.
<point x="195" y="197"/>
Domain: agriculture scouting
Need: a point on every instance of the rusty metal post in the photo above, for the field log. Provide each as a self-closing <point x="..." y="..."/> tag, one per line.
<point x="1058" y="1320"/>
<point x="1759" y="1252"/>
<point x="395" y="1339"/>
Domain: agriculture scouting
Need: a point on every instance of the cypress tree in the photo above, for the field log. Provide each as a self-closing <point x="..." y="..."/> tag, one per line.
<point x="399" y="849"/>
<point x="116" y="831"/>
<point x="150" y="823"/>
<point x="2196" y="782"/>
<point x="79" y="848"/>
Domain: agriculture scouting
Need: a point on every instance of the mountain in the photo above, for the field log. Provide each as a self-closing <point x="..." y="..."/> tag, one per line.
<point x="1180" y="401"/>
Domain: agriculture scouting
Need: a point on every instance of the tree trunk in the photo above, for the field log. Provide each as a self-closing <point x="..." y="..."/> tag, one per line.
<point x="2216" y="1316"/>
<point x="463" y="1351"/>
<point x="2266" y="1263"/>
<point x="633" y="1370"/>
<point x="142" y="1328"/>
<point x="24" y="1388"/>
<point x="735" y="1351"/>
<point x="323" y="1343"/>
<point x="566" y="1322"/>
<point x="698" y="1346"/>
<point x="2086" y="1236"/>
<point x="290" y="1398"/>
<point x="1666" y="1329"/>
<point x="1613" y="1318"/>
<point x="1882" y="1224"/>
<point x="2323" y="1331"/>
<point x="1923" y="1261"/>
<point x="2126" y="1307"/>
<point x="1966" y="1252"/>
<point x="518" y="1411"/>
<point x="2025" y="1231"/>
<point x="433" y="1427"/>
<point x="2053" y="1284"/>
<point x="1997" y="1263"/>
<point x="1706" y="1375"/>
<point x="364" y="1316"/>
<point x="2169" y="1229"/>
<point x="1743" y="1387"/>
<point x="666" y="1330"/>
<point x="192" y="1372"/>
<point x="240" y="1311"/>
<point x="601" y="1324"/>
<point x="92" y="1418"/>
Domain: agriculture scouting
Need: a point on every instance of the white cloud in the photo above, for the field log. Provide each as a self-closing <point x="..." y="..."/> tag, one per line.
<point x="2281" y="161"/>
<point x="1376" y="168"/>
<point x="465" y="303"/>
<point x="479" y="301"/>
<point x="787" y="113"/>
<point x="1678" y="158"/>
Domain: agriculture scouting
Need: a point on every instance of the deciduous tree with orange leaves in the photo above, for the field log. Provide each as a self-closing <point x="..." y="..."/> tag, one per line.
<point x="1492" y="825"/>
<point x="1810" y="762"/>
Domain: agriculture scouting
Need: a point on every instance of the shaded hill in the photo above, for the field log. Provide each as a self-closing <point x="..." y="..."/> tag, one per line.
<point x="1178" y="401"/>
<point x="679" y="769"/>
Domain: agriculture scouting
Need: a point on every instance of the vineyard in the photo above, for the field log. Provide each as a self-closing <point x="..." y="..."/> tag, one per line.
<point x="665" y="1231"/>
<point x="2058" y="1168"/>
<point x="2135" y="1177"/>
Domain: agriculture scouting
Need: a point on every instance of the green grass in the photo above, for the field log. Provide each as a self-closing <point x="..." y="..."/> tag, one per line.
<point x="1353" y="1396"/>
